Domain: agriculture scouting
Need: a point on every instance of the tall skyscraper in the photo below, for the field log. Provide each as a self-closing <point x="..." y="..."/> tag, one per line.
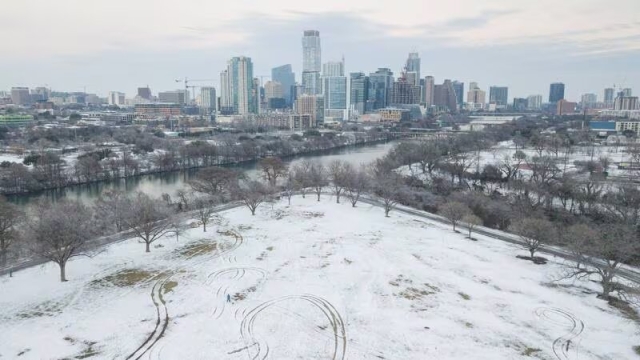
<point x="380" y="85"/>
<point x="20" y="96"/>
<point x="627" y="92"/>
<point x="520" y="104"/>
<point x="285" y="76"/>
<point x="608" y="97"/>
<point x="458" y="87"/>
<point x="226" y="105"/>
<point x="476" y="97"/>
<point x="360" y="87"/>
<point x="335" y="89"/>
<point x="144" y="92"/>
<point x="534" y="102"/>
<point x="413" y="66"/>
<point x="242" y="95"/>
<point x="444" y="96"/>
<point x="625" y="102"/>
<point x="257" y="96"/>
<point x="429" y="90"/>
<point x="499" y="95"/>
<point x="311" y="62"/>
<point x="588" y="101"/>
<point x="208" y="99"/>
<point x="556" y="92"/>
<point x="175" y="97"/>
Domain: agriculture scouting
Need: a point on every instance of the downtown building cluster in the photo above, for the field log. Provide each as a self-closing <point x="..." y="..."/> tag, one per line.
<point x="327" y="94"/>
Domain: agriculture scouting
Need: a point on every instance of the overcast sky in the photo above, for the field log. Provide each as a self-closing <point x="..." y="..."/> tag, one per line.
<point x="122" y="44"/>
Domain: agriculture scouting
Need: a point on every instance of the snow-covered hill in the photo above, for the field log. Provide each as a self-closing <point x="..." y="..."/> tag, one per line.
<point x="309" y="281"/>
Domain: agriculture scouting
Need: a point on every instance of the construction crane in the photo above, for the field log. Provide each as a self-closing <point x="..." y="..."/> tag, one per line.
<point x="186" y="82"/>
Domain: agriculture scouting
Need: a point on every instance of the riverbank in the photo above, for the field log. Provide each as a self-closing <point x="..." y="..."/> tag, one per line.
<point x="168" y="181"/>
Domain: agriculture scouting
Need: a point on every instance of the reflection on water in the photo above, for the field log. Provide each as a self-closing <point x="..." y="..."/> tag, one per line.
<point x="158" y="184"/>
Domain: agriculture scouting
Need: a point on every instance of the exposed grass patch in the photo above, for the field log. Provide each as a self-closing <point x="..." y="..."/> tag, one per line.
<point x="23" y="352"/>
<point x="468" y="324"/>
<point x="199" y="248"/>
<point x="636" y="349"/>
<point x="347" y="261"/>
<point x="169" y="286"/>
<point x="415" y="293"/>
<point x="47" y="308"/>
<point x="270" y="248"/>
<point x="464" y="296"/>
<point x="627" y="310"/>
<point x="262" y="256"/>
<point x="127" y="277"/>
<point x="88" y="352"/>
<point x="530" y="351"/>
<point x="312" y="214"/>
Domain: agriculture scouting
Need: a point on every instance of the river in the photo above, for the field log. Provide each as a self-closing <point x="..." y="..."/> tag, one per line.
<point x="158" y="184"/>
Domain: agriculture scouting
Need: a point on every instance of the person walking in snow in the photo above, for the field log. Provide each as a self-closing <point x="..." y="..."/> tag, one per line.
<point x="228" y="298"/>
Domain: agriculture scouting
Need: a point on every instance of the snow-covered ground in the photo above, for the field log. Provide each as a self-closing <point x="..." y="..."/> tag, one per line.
<point x="310" y="281"/>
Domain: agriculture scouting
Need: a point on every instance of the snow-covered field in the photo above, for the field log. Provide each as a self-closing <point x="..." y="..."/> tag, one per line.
<point x="310" y="281"/>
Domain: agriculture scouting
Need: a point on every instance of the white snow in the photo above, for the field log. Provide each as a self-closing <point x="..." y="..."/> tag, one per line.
<point x="402" y="287"/>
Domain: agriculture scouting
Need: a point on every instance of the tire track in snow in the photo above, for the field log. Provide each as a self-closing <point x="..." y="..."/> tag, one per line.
<point x="162" y="313"/>
<point x="562" y="344"/>
<point x="237" y="274"/>
<point x="325" y="307"/>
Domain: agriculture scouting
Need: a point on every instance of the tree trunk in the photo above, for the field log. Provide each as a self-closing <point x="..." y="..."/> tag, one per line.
<point x="469" y="233"/>
<point x="253" y="211"/>
<point x="148" y="248"/>
<point x="532" y="251"/>
<point x="289" y="200"/>
<point x="338" y="198"/>
<point x="386" y="211"/>
<point x="204" y="226"/>
<point x="454" y="226"/>
<point x="63" y="275"/>
<point x="318" y="196"/>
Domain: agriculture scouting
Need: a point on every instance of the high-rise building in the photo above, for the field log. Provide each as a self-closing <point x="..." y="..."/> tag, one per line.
<point x="534" y="102"/>
<point x="476" y="97"/>
<point x="175" y="97"/>
<point x="144" y="92"/>
<point x="405" y="92"/>
<point x="413" y="66"/>
<point x="380" y="85"/>
<point x="429" y="90"/>
<point x="588" y="101"/>
<point x="627" y="92"/>
<point x="333" y="68"/>
<point x="608" y="97"/>
<point x="444" y="96"/>
<point x="226" y="105"/>
<point x="257" y="95"/>
<point x="274" y="94"/>
<point x="312" y="105"/>
<point x="311" y="62"/>
<point x="41" y="93"/>
<point x="520" y="104"/>
<point x="360" y="87"/>
<point x="499" y="95"/>
<point x="625" y="102"/>
<point x="334" y="89"/>
<point x="458" y="87"/>
<point x="285" y="76"/>
<point x="556" y="92"/>
<point x="208" y="99"/>
<point x="20" y="96"/>
<point x="116" y="98"/>
<point x="243" y="96"/>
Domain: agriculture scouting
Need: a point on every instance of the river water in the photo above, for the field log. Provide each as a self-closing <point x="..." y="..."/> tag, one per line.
<point x="158" y="184"/>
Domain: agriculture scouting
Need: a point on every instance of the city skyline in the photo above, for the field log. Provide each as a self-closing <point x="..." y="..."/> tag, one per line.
<point x="475" y="43"/>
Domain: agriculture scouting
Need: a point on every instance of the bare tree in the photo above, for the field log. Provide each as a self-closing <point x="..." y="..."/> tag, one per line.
<point x="61" y="231"/>
<point x="390" y="189"/>
<point x="185" y="198"/>
<point x="290" y="185"/>
<point x="337" y="173"/>
<point x="533" y="233"/>
<point x="318" y="178"/>
<point x="454" y="212"/>
<point x="358" y="182"/>
<point x="272" y="169"/>
<point x="214" y="181"/>
<point x="302" y="176"/>
<point x="10" y="216"/>
<point x="601" y="253"/>
<point x="252" y="193"/>
<point x="149" y="219"/>
<point x="204" y="210"/>
<point x="112" y="206"/>
<point x="472" y="223"/>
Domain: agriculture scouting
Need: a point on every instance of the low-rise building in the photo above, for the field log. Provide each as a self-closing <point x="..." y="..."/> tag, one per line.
<point x="15" y="120"/>
<point x="145" y="111"/>
<point x="394" y="115"/>
<point x="301" y="121"/>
